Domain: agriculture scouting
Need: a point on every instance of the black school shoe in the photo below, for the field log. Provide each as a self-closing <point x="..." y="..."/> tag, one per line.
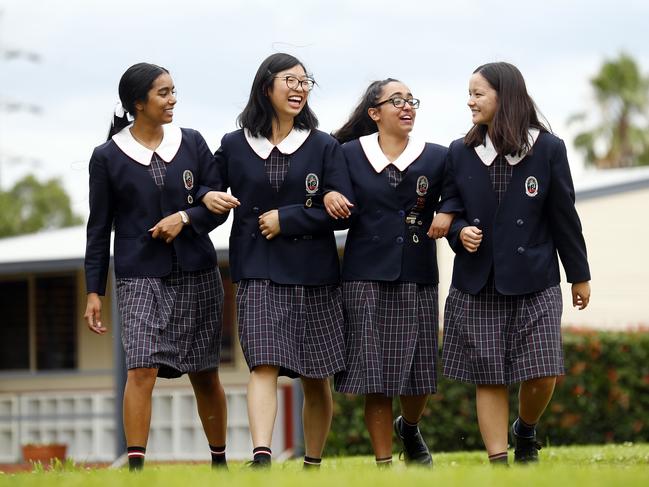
<point x="415" y="450"/>
<point x="526" y="450"/>
<point x="258" y="465"/>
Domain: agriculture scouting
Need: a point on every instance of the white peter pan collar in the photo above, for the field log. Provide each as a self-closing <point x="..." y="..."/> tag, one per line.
<point x="167" y="149"/>
<point x="378" y="160"/>
<point x="487" y="152"/>
<point x="263" y="147"/>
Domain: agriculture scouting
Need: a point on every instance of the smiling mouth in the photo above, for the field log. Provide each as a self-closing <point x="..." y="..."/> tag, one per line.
<point x="295" y="99"/>
<point x="406" y="118"/>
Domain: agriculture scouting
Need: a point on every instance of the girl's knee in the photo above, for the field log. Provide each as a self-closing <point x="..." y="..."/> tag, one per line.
<point x="141" y="377"/>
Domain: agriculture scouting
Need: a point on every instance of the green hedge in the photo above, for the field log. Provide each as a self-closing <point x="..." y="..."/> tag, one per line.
<point x="603" y="398"/>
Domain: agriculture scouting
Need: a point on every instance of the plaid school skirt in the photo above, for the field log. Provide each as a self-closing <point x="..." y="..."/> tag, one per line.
<point x="491" y="338"/>
<point x="297" y="328"/>
<point x="172" y="323"/>
<point x="391" y="338"/>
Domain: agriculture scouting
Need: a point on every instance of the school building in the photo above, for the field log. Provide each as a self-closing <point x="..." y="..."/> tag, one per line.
<point x="61" y="383"/>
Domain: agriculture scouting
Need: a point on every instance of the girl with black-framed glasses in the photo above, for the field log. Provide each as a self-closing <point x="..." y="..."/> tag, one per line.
<point x="390" y="266"/>
<point x="283" y="253"/>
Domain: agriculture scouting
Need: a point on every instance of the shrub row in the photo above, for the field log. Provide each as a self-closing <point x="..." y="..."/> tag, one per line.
<point x="604" y="397"/>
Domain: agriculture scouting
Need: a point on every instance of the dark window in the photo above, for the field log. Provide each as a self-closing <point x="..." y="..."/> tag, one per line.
<point x="14" y="325"/>
<point x="56" y="337"/>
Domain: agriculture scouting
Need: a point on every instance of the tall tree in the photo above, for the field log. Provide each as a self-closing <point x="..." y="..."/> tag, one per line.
<point x="31" y="206"/>
<point x="622" y="137"/>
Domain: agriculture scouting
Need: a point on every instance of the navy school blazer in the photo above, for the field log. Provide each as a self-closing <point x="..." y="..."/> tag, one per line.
<point x="304" y="253"/>
<point x="382" y="243"/>
<point x="123" y="195"/>
<point x="535" y="220"/>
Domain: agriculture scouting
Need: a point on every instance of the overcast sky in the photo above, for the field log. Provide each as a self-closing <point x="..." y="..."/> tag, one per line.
<point x="213" y="49"/>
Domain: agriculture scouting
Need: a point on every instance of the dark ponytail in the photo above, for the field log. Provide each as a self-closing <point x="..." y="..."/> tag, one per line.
<point x="134" y="87"/>
<point x="359" y="122"/>
<point x="118" y="123"/>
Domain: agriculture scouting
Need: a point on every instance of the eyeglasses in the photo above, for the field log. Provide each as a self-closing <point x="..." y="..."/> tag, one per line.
<point x="293" y="83"/>
<point x="399" y="102"/>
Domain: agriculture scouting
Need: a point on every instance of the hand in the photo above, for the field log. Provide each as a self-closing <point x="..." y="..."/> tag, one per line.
<point x="471" y="237"/>
<point x="219" y="202"/>
<point x="93" y="314"/>
<point x="580" y="294"/>
<point x="440" y="225"/>
<point x="168" y="228"/>
<point x="337" y="205"/>
<point x="269" y="224"/>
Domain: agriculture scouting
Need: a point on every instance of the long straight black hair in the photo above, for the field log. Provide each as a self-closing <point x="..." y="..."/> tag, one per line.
<point x="359" y="122"/>
<point x="134" y="86"/>
<point x="259" y="114"/>
<point x="516" y="111"/>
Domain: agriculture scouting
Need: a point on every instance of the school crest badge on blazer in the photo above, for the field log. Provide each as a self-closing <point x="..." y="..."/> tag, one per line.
<point x="531" y="186"/>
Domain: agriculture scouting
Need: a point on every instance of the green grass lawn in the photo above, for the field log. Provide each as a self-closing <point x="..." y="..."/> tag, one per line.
<point x="624" y="465"/>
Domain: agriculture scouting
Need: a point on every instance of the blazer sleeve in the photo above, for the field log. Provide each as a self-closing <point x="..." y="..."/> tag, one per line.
<point x="100" y="223"/>
<point x="452" y="203"/>
<point x="299" y="220"/>
<point x="202" y="220"/>
<point x="564" y="221"/>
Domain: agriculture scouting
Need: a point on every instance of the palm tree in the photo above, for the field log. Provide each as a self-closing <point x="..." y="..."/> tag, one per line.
<point x="622" y="139"/>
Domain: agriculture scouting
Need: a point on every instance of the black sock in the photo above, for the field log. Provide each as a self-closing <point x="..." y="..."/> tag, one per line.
<point x="218" y="456"/>
<point x="262" y="454"/>
<point x="498" y="458"/>
<point x="408" y="429"/>
<point x="384" y="462"/>
<point x="310" y="462"/>
<point x="135" y="457"/>
<point x="524" y="430"/>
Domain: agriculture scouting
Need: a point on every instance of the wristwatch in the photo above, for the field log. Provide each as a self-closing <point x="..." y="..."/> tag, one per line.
<point x="184" y="217"/>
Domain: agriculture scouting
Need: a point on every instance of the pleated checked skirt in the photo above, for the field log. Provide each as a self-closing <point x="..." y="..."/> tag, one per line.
<point x="390" y="337"/>
<point x="172" y="323"/>
<point x="297" y="328"/>
<point x="491" y="338"/>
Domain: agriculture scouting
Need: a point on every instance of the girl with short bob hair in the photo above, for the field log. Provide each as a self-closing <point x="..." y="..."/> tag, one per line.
<point x="283" y="251"/>
<point x="390" y="266"/>
<point x="502" y="321"/>
<point x="146" y="183"/>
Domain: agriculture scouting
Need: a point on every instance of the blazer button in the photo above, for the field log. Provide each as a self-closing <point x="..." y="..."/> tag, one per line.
<point x="375" y="238"/>
<point x="399" y="239"/>
<point x="519" y="222"/>
<point x="402" y="213"/>
<point x="476" y="221"/>
<point x="520" y="250"/>
<point x="253" y="235"/>
<point x="255" y="209"/>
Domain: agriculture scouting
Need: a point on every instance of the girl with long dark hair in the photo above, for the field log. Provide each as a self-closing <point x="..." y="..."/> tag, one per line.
<point x="146" y="183"/>
<point x="502" y="322"/>
<point x="282" y="250"/>
<point x="390" y="266"/>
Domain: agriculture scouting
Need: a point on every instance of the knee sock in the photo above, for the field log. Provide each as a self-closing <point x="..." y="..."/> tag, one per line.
<point x="312" y="463"/>
<point x="384" y="462"/>
<point x="135" y="457"/>
<point x="218" y="456"/>
<point x="498" y="458"/>
<point x="524" y="430"/>
<point x="262" y="454"/>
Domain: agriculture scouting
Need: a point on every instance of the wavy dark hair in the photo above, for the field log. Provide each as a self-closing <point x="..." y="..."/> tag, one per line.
<point x="359" y="122"/>
<point x="134" y="86"/>
<point x="516" y="111"/>
<point x="259" y="114"/>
